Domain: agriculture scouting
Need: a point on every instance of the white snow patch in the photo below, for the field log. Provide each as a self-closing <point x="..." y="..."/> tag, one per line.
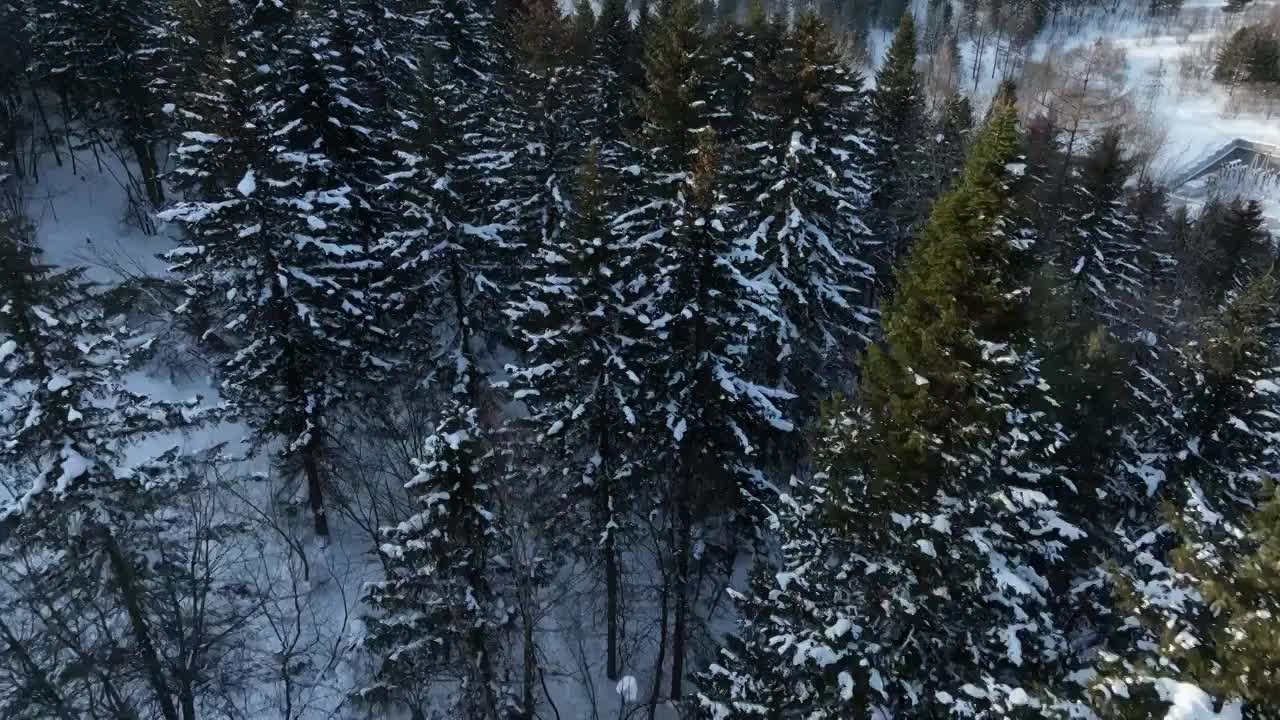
<point x="248" y="184"/>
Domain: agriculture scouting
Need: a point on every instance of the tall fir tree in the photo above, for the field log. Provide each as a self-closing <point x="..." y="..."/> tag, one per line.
<point x="941" y="488"/>
<point x="900" y="123"/>
<point x="273" y="241"/>
<point x="439" y="611"/>
<point x="673" y="61"/>
<point x="576" y="317"/>
<point x="951" y="136"/>
<point x="1103" y="269"/>
<point x="715" y="417"/>
<point x="619" y="72"/>
<point x="445" y="254"/>
<point x="1191" y="576"/>
<point x="1227" y="244"/>
<point x="807" y="193"/>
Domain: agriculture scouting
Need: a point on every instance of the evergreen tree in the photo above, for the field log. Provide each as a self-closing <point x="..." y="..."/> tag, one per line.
<point x="942" y="490"/>
<point x="272" y="236"/>
<point x="1209" y="613"/>
<point x="899" y="122"/>
<point x="619" y="71"/>
<point x="1252" y="55"/>
<point x="715" y="417"/>
<point x="951" y="135"/>
<point x="554" y="99"/>
<point x="442" y="604"/>
<point x="1227" y="243"/>
<point x="731" y="82"/>
<point x="581" y="333"/>
<point x="807" y="195"/>
<point x="673" y="60"/>
<point x="762" y="671"/>
<point x="1103" y="268"/>
<point x="361" y="65"/>
<point x="1190" y="577"/>
<point x="445" y="254"/>
<point x="959" y="437"/>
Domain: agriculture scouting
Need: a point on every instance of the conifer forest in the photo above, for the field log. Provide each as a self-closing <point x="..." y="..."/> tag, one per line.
<point x="639" y="359"/>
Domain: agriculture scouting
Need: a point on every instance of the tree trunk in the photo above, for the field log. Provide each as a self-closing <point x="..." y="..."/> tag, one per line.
<point x="529" y="677"/>
<point x="44" y="120"/>
<point x="662" y="644"/>
<point x="680" y="637"/>
<point x="122" y="569"/>
<point x="605" y="511"/>
<point x="611" y="604"/>
<point x="150" y="171"/>
<point x="315" y="485"/>
<point x="482" y="674"/>
<point x="188" y="702"/>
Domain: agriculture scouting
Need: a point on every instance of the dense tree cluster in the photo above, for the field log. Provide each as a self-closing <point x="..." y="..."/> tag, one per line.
<point x="530" y="298"/>
<point x="1250" y="55"/>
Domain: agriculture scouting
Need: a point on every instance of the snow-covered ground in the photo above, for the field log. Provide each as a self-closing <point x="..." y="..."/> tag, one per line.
<point x="1196" y="115"/>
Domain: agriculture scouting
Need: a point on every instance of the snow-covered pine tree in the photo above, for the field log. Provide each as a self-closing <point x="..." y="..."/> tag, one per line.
<point x="748" y="678"/>
<point x="674" y="55"/>
<point x="792" y="617"/>
<point x="1209" y="616"/>
<point x="943" y="519"/>
<point x="361" y="64"/>
<point x="581" y="337"/>
<point x="1148" y="204"/>
<point x="446" y="252"/>
<point x="811" y="192"/>
<point x="1101" y="268"/>
<point x="1227" y="244"/>
<point x="742" y="52"/>
<point x="950" y="138"/>
<point x="701" y="317"/>
<point x="437" y="615"/>
<point x="110" y="64"/>
<point x="84" y="529"/>
<point x="958" y="463"/>
<point x="1228" y="412"/>
<point x="1193" y="580"/>
<point x="554" y="94"/>
<point x="899" y="124"/>
<point x="272" y="242"/>
<point x="614" y="41"/>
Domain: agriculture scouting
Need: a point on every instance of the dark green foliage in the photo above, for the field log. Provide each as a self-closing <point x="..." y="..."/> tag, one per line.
<point x="899" y="122"/>
<point x="950" y="137"/>
<point x="956" y="287"/>
<point x="1227" y="244"/>
<point x="1252" y="55"/>
<point x="1100" y="267"/>
<point x="673" y="57"/>
<point x="1200" y="612"/>
<point x="621" y="72"/>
